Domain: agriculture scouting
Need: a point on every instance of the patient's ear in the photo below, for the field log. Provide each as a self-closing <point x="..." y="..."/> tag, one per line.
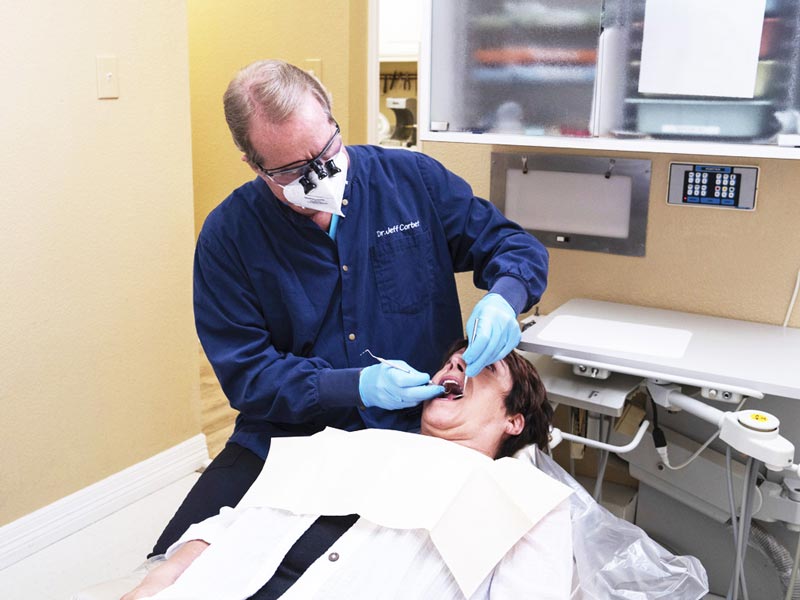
<point x="515" y="424"/>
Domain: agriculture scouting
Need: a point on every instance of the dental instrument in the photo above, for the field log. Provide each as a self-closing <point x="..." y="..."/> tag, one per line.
<point x="387" y="362"/>
<point x="393" y="365"/>
<point x="466" y="377"/>
<point x="447" y="388"/>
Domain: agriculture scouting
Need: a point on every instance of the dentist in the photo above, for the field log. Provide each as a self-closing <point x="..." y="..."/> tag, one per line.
<point x="329" y="251"/>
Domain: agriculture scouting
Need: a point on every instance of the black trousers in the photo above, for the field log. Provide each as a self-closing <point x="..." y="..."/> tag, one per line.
<point x="223" y="483"/>
<point x="308" y="548"/>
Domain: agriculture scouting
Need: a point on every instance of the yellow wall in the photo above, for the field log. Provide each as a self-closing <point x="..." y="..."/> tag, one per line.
<point x="98" y="353"/>
<point x="725" y="263"/>
<point x="98" y="357"/>
<point x="225" y="36"/>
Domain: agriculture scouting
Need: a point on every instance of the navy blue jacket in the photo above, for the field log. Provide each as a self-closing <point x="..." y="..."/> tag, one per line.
<point x="284" y="312"/>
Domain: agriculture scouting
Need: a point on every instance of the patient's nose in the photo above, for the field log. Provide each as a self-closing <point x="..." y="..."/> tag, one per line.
<point x="457" y="363"/>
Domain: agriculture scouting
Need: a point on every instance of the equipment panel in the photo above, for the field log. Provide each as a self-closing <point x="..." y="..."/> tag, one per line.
<point x="720" y="186"/>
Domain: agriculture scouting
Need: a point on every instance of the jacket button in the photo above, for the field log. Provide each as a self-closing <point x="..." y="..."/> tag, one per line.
<point x="351" y="337"/>
<point x="344" y="201"/>
<point x="333" y="556"/>
<point x="345" y="268"/>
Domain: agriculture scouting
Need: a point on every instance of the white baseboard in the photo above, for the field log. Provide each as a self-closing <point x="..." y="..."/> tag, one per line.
<point x="43" y="527"/>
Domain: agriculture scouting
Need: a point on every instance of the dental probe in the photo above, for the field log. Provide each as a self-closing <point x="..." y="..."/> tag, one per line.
<point x="391" y="364"/>
<point x="466" y="377"/>
<point x="386" y="362"/>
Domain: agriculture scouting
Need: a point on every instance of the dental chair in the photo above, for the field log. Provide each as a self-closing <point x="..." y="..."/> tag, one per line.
<point x="614" y="559"/>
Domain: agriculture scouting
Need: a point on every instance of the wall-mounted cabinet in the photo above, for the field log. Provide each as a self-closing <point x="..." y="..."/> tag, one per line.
<point x="399" y="25"/>
<point x="677" y="76"/>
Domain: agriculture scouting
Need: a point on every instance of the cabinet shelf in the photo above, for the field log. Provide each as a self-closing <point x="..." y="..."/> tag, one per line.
<point x="492" y="26"/>
<point x="617" y="144"/>
<point x="535" y="16"/>
<point x="517" y="74"/>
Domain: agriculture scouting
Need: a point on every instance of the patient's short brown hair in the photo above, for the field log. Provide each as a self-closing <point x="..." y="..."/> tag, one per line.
<point x="526" y="397"/>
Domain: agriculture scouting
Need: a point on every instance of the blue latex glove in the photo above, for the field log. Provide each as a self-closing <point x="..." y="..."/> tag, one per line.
<point x="390" y="387"/>
<point x="497" y="334"/>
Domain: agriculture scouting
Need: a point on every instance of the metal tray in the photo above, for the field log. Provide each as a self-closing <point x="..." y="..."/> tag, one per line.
<point x="702" y="118"/>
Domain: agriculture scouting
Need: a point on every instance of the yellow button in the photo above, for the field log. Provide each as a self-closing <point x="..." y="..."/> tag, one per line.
<point x="344" y="201"/>
<point x="351" y="337"/>
<point x="345" y="268"/>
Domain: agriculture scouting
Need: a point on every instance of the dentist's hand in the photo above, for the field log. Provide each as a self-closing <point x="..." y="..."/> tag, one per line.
<point x="497" y="334"/>
<point x="391" y="388"/>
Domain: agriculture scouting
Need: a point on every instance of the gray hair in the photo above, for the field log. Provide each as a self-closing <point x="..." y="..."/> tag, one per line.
<point x="268" y="89"/>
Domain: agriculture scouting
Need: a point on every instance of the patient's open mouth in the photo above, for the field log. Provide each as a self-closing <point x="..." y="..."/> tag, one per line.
<point x="452" y="389"/>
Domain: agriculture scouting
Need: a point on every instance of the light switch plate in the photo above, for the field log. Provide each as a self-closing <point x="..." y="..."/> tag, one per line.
<point x="107" y="76"/>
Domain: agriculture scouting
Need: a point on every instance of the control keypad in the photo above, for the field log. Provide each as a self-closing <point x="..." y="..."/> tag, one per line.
<point x="711" y="188"/>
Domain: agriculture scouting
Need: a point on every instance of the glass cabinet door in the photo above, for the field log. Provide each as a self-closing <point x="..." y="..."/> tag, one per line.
<point x="610" y="70"/>
<point x="748" y="95"/>
<point x="514" y="66"/>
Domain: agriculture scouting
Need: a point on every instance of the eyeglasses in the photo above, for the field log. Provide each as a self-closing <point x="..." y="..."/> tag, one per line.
<point x="322" y="165"/>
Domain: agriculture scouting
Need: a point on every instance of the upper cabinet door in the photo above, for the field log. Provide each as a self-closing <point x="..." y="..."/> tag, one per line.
<point x="399" y="26"/>
<point x="714" y="77"/>
<point x="515" y="67"/>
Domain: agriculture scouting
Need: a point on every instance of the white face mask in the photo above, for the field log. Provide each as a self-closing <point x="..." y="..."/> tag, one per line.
<point x="328" y="192"/>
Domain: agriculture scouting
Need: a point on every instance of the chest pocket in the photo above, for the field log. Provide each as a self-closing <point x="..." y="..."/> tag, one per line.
<point x="402" y="264"/>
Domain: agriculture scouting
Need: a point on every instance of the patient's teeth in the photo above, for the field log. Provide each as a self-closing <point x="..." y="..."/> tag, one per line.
<point x="452" y="387"/>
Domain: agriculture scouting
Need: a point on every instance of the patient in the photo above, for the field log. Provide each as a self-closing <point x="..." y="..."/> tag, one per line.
<point x="503" y="409"/>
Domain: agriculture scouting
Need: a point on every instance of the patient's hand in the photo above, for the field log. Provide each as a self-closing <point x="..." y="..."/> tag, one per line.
<point x="146" y="589"/>
<point x="165" y="574"/>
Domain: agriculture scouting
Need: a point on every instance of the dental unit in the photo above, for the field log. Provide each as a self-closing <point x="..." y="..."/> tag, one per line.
<point x="600" y="357"/>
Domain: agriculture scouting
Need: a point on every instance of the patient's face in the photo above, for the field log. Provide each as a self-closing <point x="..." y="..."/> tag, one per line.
<point x="477" y="420"/>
